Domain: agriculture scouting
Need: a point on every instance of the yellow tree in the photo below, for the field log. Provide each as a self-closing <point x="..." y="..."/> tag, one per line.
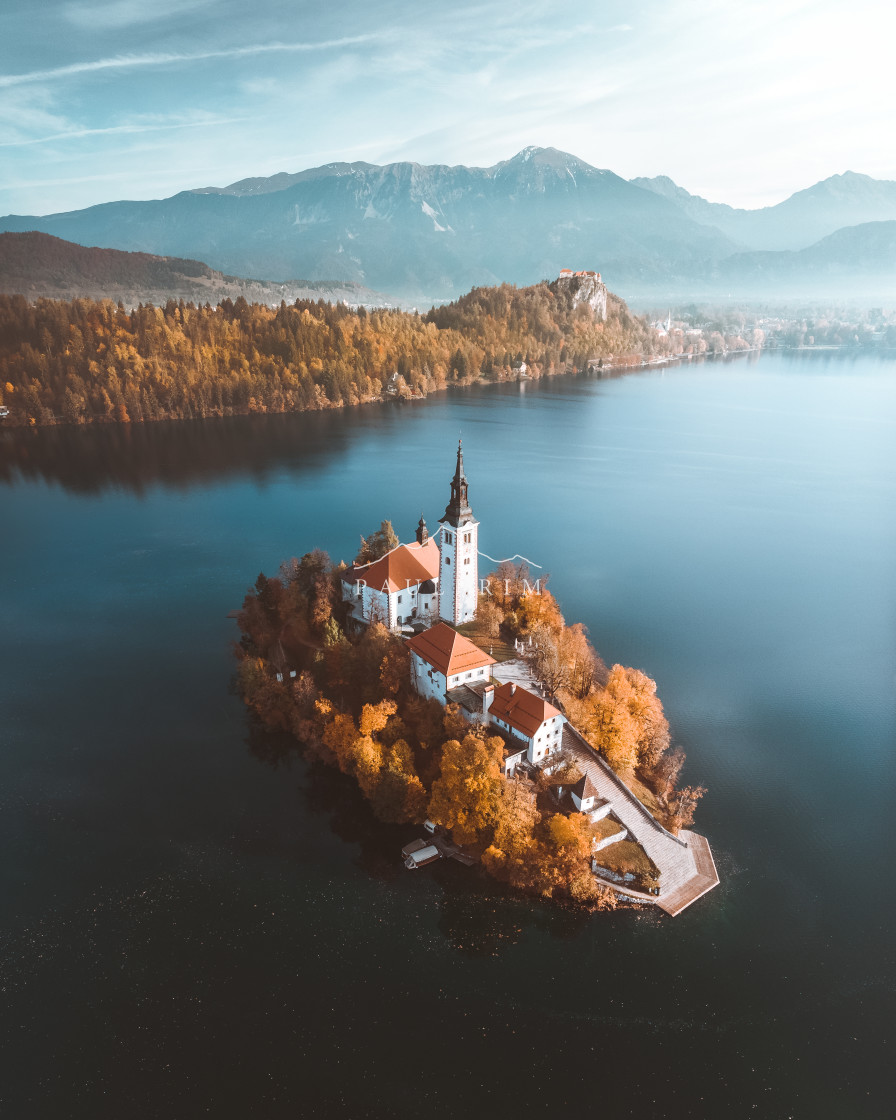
<point x="465" y="796"/>
<point x="515" y="815"/>
<point x="399" y="794"/>
<point x="374" y="717"/>
<point x="611" y="724"/>
<point x="647" y="711"/>
<point x="338" y="734"/>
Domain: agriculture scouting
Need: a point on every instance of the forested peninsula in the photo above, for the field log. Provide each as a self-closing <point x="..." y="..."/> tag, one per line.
<point x="84" y="361"/>
<point x="346" y="696"/>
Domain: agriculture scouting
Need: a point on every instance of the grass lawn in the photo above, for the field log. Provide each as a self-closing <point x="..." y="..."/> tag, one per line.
<point x="627" y="856"/>
<point x="645" y="795"/>
<point x="603" y="828"/>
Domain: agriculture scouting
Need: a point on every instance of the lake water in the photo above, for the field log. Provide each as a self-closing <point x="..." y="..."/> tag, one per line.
<point x="197" y="923"/>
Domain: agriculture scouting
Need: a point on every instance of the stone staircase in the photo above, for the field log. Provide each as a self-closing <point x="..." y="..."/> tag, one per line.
<point x="685" y="862"/>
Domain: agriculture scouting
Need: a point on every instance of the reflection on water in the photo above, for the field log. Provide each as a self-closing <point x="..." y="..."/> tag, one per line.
<point x="172" y="453"/>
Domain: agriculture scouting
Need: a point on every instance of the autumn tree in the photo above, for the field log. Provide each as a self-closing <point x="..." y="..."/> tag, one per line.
<point x="516" y="816"/>
<point x="399" y="795"/>
<point x="682" y="804"/>
<point x="614" y="730"/>
<point x="489" y="616"/>
<point x="377" y="544"/>
<point x="465" y="796"/>
<point x="582" y="663"/>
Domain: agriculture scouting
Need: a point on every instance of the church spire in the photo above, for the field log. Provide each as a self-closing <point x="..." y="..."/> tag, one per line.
<point x="422" y="531"/>
<point x="458" y="511"/>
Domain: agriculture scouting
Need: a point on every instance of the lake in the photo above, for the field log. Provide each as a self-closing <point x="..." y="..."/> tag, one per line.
<point x="196" y="922"/>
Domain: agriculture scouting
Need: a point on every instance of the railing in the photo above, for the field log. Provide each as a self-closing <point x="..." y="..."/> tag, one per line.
<point x="611" y="773"/>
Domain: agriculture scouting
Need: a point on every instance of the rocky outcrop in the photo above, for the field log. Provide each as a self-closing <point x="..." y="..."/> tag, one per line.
<point x="582" y="288"/>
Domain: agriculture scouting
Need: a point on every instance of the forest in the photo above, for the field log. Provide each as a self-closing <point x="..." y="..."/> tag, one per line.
<point x="347" y="700"/>
<point x="84" y="361"/>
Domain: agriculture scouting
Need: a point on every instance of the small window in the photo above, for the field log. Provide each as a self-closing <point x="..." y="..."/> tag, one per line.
<point x="447" y="559"/>
<point x="398" y="600"/>
<point x="467" y="561"/>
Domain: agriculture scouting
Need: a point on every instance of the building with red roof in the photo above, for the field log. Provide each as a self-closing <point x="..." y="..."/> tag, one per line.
<point x="399" y="589"/>
<point x="528" y="720"/>
<point x="442" y="659"/>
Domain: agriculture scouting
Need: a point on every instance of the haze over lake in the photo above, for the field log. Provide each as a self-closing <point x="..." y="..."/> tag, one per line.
<point x="195" y="920"/>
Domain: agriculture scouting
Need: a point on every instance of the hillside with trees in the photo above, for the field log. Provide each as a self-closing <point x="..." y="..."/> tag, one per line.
<point x="39" y="265"/>
<point x="86" y="361"/>
<point x="348" y="701"/>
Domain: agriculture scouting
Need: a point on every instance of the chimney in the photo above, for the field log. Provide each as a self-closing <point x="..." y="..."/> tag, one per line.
<point x="512" y="689"/>
<point x="488" y="694"/>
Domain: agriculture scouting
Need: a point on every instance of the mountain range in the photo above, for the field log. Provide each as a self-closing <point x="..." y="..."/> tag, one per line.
<point x="429" y="233"/>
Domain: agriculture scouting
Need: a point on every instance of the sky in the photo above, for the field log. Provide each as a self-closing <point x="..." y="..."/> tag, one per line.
<point x="740" y="102"/>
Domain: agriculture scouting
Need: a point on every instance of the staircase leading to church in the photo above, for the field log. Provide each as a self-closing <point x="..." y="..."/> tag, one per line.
<point x="685" y="862"/>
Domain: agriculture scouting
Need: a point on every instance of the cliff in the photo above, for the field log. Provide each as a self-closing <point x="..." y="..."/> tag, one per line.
<point x="582" y="288"/>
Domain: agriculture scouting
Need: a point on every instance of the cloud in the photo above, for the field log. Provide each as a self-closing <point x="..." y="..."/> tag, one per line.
<point x="126" y="62"/>
<point x="80" y="133"/>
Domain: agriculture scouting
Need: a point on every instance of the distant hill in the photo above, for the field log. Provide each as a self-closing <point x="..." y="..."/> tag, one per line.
<point x="797" y="222"/>
<point x="38" y="264"/>
<point x="863" y="255"/>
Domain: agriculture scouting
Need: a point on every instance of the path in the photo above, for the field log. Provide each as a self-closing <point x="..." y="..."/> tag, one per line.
<point x="685" y="862"/>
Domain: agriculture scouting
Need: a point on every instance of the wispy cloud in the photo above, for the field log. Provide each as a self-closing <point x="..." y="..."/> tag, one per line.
<point x="126" y="62"/>
<point x="123" y="129"/>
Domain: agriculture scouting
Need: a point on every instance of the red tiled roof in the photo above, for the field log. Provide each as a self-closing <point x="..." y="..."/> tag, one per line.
<point x="448" y="651"/>
<point x="523" y="710"/>
<point x="403" y="567"/>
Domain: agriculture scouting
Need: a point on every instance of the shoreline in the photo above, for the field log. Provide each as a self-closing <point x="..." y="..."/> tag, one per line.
<point x="617" y="368"/>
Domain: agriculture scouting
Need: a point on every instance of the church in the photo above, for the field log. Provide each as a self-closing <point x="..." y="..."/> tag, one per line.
<point x="425" y="589"/>
<point x="432" y="579"/>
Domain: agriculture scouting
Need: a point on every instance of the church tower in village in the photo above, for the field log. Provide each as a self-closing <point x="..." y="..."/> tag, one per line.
<point x="458" y="553"/>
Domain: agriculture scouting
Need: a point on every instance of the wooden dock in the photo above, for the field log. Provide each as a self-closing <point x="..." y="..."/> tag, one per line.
<point x="705" y="879"/>
<point x="450" y="850"/>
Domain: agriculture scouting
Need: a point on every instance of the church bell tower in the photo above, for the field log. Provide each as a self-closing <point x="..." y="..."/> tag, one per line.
<point x="458" y="553"/>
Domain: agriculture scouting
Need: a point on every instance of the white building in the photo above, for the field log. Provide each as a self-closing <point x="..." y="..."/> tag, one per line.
<point x="400" y="588"/>
<point x="530" y="721"/>
<point x="459" y="555"/>
<point x="442" y="659"/>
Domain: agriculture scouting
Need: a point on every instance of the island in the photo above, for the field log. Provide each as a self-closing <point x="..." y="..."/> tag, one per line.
<point x="467" y="706"/>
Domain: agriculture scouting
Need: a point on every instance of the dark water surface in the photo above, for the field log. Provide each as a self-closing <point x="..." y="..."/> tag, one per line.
<point x="196" y="923"/>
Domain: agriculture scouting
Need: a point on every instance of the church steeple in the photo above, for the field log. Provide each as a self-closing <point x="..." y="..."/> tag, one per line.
<point x="458" y="511"/>
<point x="422" y="531"/>
<point x="458" y="553"/>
